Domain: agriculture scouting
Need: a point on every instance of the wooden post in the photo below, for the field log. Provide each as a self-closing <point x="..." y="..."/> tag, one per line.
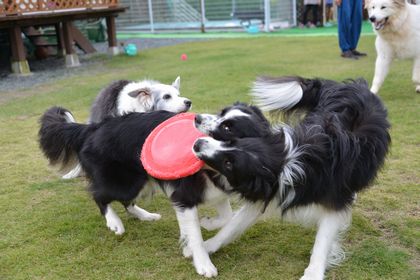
<point x="112" y="35"/>
<point x="72" y="60"/>
<point x="60" y="40"/>
<point x="19" y="63"/>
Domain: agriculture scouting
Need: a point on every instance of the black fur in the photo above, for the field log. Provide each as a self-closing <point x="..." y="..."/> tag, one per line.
<point x="105" y="104"/>
<point x="339" y="145"/>
<point x="109" y="152"/>
<point x="256" y="125"/>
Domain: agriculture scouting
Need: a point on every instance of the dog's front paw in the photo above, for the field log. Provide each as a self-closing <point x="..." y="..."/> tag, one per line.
<point x="212" y="223"/>
<point x="312" y="274"/>
<point x="211" y="245"/>
<point x="151" y="217"/>
<point x="206" y="268"/>
<point x="115" y="226"/>
<point x="418" y="89"/>
<point x="187" y="252"/>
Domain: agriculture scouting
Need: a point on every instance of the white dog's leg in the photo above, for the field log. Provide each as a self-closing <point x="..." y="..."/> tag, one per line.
<point x="416" y="74"/>
<point x="75" y="172"/>
<point x="241" y="221"/>
<point x="224" y="211"/>
<point x="330" y="224"/>
<point x="383" y="62"/>
<point x="142" y="214"/>
<point x="191" y="235"/>
<point x="113" y="222"/>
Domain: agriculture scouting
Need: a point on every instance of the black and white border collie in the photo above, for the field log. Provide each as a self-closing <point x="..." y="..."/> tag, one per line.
<point x="109" y="153"/>
<point x="308" y="173"/>
<point x="123" y="97"/>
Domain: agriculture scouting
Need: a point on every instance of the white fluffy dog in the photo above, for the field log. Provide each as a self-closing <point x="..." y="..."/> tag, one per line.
<point x="397" y="25"/>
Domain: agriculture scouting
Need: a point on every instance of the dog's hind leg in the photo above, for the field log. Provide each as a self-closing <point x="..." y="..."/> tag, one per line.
<point x="191" y="237"/>
<point x="224" y="211"/>
<point x="329" y="227"/>
<point x="140" y="213"/>
<point x="75" y="172"/>
<point x="113" y="222"/>
<point x="416" y="74"/>
<point x="240" y="222"/>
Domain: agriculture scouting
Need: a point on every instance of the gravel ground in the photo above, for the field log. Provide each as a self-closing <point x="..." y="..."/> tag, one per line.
<point x="44" y="71"/>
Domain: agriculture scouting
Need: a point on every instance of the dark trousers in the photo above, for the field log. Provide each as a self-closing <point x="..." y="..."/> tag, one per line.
<point x="314" y="9"/>
<point x="350" y="16"/>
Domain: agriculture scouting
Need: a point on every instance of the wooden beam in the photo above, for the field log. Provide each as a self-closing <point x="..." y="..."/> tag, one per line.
<point x="19" y="64"/>
<point x="16" y="43"/>
<point x="112" y="31"/>
<point x="81" y="41"/>
<point x="60" y="38"/>
<point x="68" y="37"/>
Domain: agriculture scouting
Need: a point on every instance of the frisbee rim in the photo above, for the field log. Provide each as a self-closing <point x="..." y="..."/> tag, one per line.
<point x="147" y="159"/>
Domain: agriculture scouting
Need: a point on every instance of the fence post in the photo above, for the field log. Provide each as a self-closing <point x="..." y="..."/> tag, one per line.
<point x="267" y="15"/>
<point x="294" y="13"/>
<point x="203" y="16"/>
<point x="152" y="27"/>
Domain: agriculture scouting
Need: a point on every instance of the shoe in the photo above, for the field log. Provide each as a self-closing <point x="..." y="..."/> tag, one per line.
<point x="358" y="53"/>
<point x="349" y="54"/>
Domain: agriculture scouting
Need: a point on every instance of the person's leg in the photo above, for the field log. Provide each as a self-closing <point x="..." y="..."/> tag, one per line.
<point x="355" y="23"/>
<point x="329" y="14"/>
<point x="305" y="14"/>
<point x="315" y="14"/>
<point x="344" y="25"/>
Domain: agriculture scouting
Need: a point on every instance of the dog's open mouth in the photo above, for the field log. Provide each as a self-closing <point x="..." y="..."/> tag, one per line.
<point x="379" y="24"/>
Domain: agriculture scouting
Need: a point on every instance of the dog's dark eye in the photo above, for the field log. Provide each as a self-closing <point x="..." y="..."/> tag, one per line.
<point x="228" y="164"/>
<point x="166" y="96"/>
<point x="226" y="127"/>
<point x="383" y="7"/>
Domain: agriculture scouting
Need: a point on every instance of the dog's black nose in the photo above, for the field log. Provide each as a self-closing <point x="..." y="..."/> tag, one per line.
<point x="198" y="119"/>
<point x="372" y="19"/>
<point x="197" y="146"/>
<point x="188" y="103"/>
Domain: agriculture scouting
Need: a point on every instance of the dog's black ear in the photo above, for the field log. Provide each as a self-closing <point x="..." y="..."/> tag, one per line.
<point x="258" y="112"/>
<point x="139" y="92"/>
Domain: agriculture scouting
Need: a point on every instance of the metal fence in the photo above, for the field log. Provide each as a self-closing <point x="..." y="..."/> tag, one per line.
<point x="164" y="15"/>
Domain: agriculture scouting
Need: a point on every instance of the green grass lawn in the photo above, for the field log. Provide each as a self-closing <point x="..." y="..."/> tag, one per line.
<point x="51" y="229"/>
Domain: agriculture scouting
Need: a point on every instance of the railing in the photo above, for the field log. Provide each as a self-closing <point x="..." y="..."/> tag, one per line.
<point x="13" y="7"/>
<point x="162" y="15"/>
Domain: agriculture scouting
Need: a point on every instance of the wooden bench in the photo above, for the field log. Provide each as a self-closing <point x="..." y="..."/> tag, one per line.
<point x="247" y="16"/>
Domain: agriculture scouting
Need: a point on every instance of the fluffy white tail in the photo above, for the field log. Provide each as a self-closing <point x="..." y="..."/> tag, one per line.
<point x="277" y="93"/>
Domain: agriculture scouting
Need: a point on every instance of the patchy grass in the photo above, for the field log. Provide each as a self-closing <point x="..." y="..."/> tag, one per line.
<point x="51" y="229"/>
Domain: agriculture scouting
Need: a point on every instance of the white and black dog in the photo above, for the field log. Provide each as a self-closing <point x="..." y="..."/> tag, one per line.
<point x="123" y="96"/>
<point x="308" y="173"/>
<point x="109" y="153"/>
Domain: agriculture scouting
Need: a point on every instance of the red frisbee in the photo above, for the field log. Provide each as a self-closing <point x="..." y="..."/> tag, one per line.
<point x="167" y="152"/>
